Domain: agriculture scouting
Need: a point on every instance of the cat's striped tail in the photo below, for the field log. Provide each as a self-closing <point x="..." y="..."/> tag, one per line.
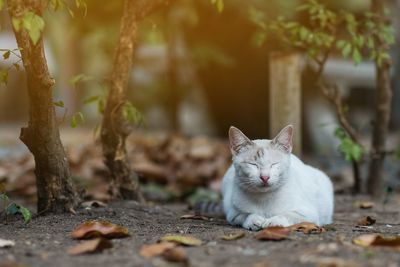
<point x="209" y="209"/>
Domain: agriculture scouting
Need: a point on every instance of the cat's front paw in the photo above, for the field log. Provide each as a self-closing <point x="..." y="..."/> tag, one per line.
<point x="276" y="221"/>
<point x="254" y="222"/>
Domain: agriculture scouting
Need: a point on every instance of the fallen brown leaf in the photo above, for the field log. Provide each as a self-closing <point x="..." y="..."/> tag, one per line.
<point x="195" y="217"/>
<point x="234" y="236"/>
<point x="307" y="228"/>
<point x="6" y="243"/>
<point x="368" y="240"/>
<point x="91" y="229"/>
<point x="176" y="254"/>
<point x="274" y="233"/>
<point x="186" y="240"/>
<point x="366" y="204"/>
<point x="366" y="221"/>
<point x="152" y="250"/>
<point x="90" y="246"/>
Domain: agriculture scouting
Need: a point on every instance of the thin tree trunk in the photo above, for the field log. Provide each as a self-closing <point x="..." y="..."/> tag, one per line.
<point x="376" y="179"/>
<point x="55" y="190"/>
<point x="285" y="94"/>
<point x="115" y="127"/>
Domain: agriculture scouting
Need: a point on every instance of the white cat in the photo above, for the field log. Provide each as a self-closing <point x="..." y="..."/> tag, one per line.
<point x="268" y="186"/>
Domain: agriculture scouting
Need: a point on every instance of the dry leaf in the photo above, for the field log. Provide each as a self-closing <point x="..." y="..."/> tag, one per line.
<point x="195" y="217"/>
<point x="275" y="233"/>
<point x="90" y="246"/>
<point x="234" y="236"/>
<point x="366" y="204"/>
<point x="93" y="203"/>
<point x="176" y="254"/>
<point x="91" y="229"/>
<point x="6" y="243"/>
<point x="152" y="250"/>
<point x="368" y="240"/>
<point x="366" y="221"/>
<point x="307" y="228"/>
<point x="186" y="240"/>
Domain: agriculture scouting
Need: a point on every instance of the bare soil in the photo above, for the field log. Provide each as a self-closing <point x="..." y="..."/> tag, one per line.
<point x="44" y="241"/>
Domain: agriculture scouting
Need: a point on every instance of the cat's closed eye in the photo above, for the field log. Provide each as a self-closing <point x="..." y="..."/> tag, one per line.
<point x="252" y="164"/>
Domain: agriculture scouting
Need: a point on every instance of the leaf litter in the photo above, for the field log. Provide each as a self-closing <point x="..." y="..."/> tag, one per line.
<point x="234" y="236"/>
<point x="186" y="240"/>
<point x="274" y="233"/>
<point x="91" y="229"/>
<point x="377" y="240"/>
<point x="278" y="233"/>
<point x="90" y="246"/>
<point x="157" y="249"/>
<point x="366" y="221"/>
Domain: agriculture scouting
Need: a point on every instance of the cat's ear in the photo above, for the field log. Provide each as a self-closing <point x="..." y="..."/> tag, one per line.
<point x="284" y="139"/>
<point x="238" y="141"/>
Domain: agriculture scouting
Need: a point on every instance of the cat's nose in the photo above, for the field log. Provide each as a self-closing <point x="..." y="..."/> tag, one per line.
<point x="264" y="178"/>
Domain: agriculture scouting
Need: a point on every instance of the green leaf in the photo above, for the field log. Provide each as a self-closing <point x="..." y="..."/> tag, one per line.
<point x="34" y="25"/>
<point x="357" y="58"/>
<point x="25" y="213"/>
<point x="6" y="54"/>
<point x="76" y="119"/>
<point x="303" y="32"/>
<point x="14" y="209"/>
<point x="80" y="78"/>
<point x="131" y="114"/>
<point x="16" y="22"/>
<point x="1" y="4"/>
<point x="91" y="99"/>
<point x="259" y="38"/>
<point x="346" y="50"/>
<point x="350" y="150"/>
<point x="4" y="197"/>
<point x="3" y="76"/>
<point x="257" y="17"/>
<point x="340" y="44"/>
<point x="370" y="42"/>
<point x="59" y="103"/>
<point x="74" y="122"/>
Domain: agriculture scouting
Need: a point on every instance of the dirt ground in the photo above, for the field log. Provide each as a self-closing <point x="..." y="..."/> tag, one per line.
<point x="44" y="241"/>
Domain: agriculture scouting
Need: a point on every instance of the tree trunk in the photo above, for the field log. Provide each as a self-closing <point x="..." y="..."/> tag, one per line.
<point x="55" y="190"/>
<point x="115" y="128"/>
<point x="285" y="94"/>
<point x="376" y="179"/>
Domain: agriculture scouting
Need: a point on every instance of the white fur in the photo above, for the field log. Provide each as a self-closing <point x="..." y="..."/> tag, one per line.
<point x="295" y="193"/>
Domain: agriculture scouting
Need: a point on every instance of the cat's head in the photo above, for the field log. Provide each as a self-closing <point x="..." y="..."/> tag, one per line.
<point x="261" y="165"/>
